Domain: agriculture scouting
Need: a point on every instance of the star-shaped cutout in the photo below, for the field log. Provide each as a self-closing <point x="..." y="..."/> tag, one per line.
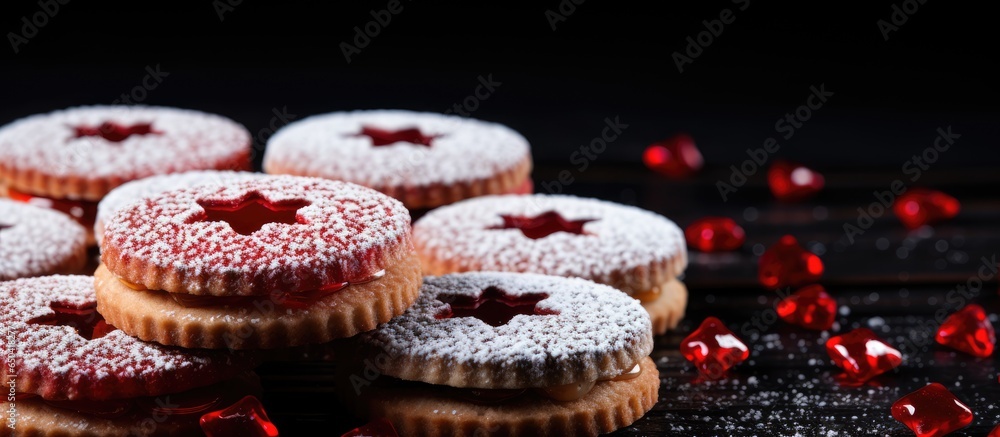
<point x="493" y="306"/>
<point x="246" y="417"/>
<point x="86" y="320"/>
<point x="543" y="225"/>
<point x="114" y="132"/>
<point x="385" y="137"/>
<point x="250" y="214"/>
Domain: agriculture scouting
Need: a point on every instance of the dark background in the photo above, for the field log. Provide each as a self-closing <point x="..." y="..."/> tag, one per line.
<point x="605" y="59"/>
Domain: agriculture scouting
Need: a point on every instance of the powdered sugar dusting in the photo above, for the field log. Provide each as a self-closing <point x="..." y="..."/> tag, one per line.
<point x="58" y="353"/>
<point x="345" y="233"/>
<point x="592" y="322"/>
<point x="124" y="195"/>
<point x="37" y="240"/>
<point x="621" y="238"/>
<point x="188" y="140"/>
<point x="328" y="146"/>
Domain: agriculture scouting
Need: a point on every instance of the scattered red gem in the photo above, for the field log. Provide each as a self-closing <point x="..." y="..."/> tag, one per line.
<point x="932" y="411"/>
<point x="919" y="206"/>
<point x="995" y="432"/>
<point x="493" y="306"/>
<point x="248" y="215"/>
<point x="543" y="225"/>
<point x="791" y="182"/>
<point x="810" y="307"/>
<point x="244" y="418"/>
<point x="713" y="348"/>
<point x="376" y="428"/>
<point x="114" y="132"/>
<point x="715" y="234"/>
<point x="968" y="330"/>
<point x="676" y="157"/>
<point x="385" y="137"/>
<point x="786" y="264"/>
<point x="86" y="321"/>
<point x="862" y="354"/>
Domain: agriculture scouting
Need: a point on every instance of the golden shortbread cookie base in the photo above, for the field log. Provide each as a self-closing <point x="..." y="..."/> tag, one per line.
<point x="668" y="309"/>
<point x="155" y="316"/>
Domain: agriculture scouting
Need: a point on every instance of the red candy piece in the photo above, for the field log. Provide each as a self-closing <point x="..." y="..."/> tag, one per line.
<point x="676" y="157"/>
<point x="968" y="330"/>
<point x="713" y="348"/>
<point x="252" y="213"/>
<point x="786" y="263"/>
<point x="715" y="234"/>
<point x="494" y="307"/>
<point x="862" y="354"/>
<point x="932" y="411"/>
<point x="385" y="137"/>
<point x="792" y="182"/>
<point x="114" y="132"/>
<point x="995" y="432"/>
<point x="376" y="428"/>
<point x="543" y="225"/>
<point x="919" y="207"/>
<point x="86" y="321"/>
<point x="810" y="307"/>
<point x="244" y="418"/>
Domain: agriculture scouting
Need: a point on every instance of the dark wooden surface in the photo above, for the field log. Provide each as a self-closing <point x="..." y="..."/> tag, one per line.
<point x="889" y="279"/>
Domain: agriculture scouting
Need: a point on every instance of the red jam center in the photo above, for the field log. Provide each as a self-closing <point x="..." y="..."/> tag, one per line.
<point x="493" y="306"/>
<point x="244" y="418"/>
<point x="114" y="132"/>
<point x="786" y="264"/>
<point x="250" y="214"/>
<point x="86" y="321"/>
<point x="286" y="299"/>
<point x="83" y="211"/>
<point x="932" y="411"/>
<point x="385" y="137"/>
<point x="543" y="225"/>
<point x="862" y="354"/>
<point x="713" y="348"/>
<point x="676" y="157"/>
<point x="968" y="330"/>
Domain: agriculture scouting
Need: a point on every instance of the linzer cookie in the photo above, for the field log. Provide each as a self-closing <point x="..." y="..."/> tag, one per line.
<point x="130" y="192"/>
<point x="424" y="159"/>
<point x="73" y="374"/>
<point x="636" y="251"/>
<point x="69" y="159"/>
<point x="36" y="241"/>
<point x="492" y="353"/>
<point x="266" y="263"/>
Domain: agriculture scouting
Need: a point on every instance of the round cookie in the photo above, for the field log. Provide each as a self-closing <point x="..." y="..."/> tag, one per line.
<point x="130" y="192"/>
<point x="271" y="262"/>
<point x="70" y="159"/>
<point x="508" y="353"/>
<point x="636" y="251"/>
<point x="423" y="159"/>
<point x="36" y="241"/>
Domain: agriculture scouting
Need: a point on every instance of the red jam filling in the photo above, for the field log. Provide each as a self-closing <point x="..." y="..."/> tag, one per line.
<point x="385" y="137"/>
<point x="286" y="299"/>
<point x="246" y="417"/>
<point x="114" y="132"/>
<point x="543" y="225"/>
<point x="251" y="213"/>
<point x="493" y="306"/>
<point x="83" y="211"/>
<point x="85" y="320"/>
